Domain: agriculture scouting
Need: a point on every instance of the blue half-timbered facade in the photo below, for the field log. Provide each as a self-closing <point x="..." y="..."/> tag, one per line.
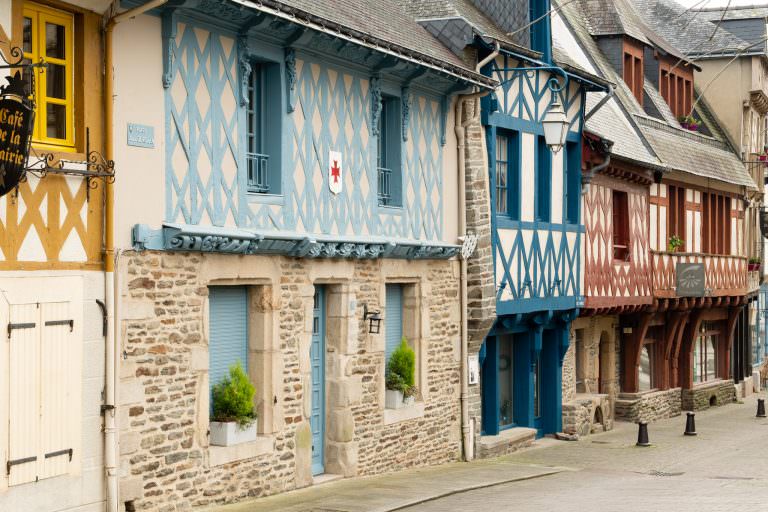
<point x="536" y="237"/>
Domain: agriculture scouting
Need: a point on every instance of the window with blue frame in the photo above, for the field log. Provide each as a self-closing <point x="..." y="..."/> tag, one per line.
<point x="572" y="182"/>
<point x="389" y="165"/>
<point x="228" y="330"/>
<point x="263" y="122"/>
<point x="543" y="180"/>
<point x="507" y="191"/>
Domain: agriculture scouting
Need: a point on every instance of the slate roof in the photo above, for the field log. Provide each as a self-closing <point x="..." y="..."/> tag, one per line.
<point x="383" y="22"/>
<point x="609" y="17"/>
<point x="662" y="139"/>
<point x="739" y="12"/>
<point x="686" y="30"/>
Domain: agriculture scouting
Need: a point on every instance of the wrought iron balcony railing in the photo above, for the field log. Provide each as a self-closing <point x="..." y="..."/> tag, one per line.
<point x="385" y="186"/>
<point x="258" y="173"/>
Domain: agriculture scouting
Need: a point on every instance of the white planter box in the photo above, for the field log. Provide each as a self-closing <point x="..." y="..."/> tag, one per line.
<point x="230" y="433"/>
<point x="394" y="399"/>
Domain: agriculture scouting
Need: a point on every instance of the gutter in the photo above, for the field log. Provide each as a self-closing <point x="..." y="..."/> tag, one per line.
<point x="467" y="427"/>
<point x="110" y="259"/>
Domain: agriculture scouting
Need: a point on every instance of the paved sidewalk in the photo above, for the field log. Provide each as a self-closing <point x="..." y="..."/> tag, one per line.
<point x="387" y="493"/>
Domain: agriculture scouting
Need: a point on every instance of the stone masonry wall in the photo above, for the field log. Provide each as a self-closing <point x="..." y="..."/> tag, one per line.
<point x="702" y="395"/>
<point x="166" y="462"/>
<point x="481" y="287"/>
<point x="648" y="407"/>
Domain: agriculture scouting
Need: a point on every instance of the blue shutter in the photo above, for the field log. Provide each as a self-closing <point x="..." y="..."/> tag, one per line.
<point x="228" y="344"/>
<point x="393" y="326"/>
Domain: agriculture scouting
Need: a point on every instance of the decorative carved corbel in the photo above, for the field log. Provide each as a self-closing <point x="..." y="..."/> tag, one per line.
<point x="406" y="107"/>
<point x="245" y="68"/>
<point x="290" y="78"/>
<point x="444" y="105"/>
<point x="375" y="104"/>
<point x="168" y="29"/>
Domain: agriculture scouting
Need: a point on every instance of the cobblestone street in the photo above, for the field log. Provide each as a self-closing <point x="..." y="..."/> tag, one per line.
<point x="724" y="468"/>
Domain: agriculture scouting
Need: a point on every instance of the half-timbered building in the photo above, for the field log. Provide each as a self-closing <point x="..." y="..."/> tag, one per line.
<point x="52" y="280"/>
<point x="676" y="351"/>
<point x="297" y="164"/>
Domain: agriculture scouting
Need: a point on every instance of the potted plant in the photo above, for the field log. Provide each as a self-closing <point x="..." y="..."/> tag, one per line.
<point x="675" y="243"/>
<point x="690" y="123"/>
<point x="754" y="264"/>
<point x="233" y="420"/>
<point x="401" y="370"/>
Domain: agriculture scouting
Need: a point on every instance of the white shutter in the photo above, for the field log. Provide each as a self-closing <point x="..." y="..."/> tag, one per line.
<point x="24" y="400"/>
<point x="60" y="371"/>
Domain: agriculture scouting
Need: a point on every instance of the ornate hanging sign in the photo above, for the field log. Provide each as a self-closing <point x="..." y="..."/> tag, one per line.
<point x="16" y="123"/>
<point x="335" y="172"/>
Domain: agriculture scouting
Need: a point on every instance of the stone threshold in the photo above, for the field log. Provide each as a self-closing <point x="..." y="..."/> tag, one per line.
<point x="325" y="478"/>
<point x="509" y="437"/>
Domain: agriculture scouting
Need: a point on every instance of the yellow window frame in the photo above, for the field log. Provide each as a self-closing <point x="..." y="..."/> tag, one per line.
<point x="39" y="15"/>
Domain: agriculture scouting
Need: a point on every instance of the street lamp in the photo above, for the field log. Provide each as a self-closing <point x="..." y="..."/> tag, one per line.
<point x="555" y="126"/>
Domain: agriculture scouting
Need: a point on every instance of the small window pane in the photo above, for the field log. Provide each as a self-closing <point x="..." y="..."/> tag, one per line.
<point x="27" y="45"/>
<point x="56" y="81"/>
<point x="502" y="172"/>
<point x="711" y="357"/>
<point x="646" y="369"/>
<point x="56" y="117"/>
<point x="506" y="417"/>
<point x="54" y="41"/>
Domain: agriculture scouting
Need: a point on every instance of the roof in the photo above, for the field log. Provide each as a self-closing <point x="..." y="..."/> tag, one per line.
<point x="607" y="17"/>
<point x="685" y="30"/>
<point x="739" y="12"/>
<point x="637" y="136"/>
<point x="382" y="24"/>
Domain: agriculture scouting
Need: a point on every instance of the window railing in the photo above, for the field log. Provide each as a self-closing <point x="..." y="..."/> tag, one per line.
<point x="385" y="186"/>
<point x="258" y="175"/>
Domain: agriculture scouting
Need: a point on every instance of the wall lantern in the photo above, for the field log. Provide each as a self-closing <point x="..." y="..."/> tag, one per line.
<point x="555" y="126"/>
<point x="375" y="319"/>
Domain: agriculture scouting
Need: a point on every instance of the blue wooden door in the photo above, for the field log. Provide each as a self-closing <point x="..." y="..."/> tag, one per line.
<point x="228" y="321"/>
<point x="317" y="359"/>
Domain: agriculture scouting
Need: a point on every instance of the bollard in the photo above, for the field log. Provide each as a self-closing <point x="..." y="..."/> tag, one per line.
<point x="761" y="408"/>
<point x="690" y="425"/>
<point x="642" y="434"/>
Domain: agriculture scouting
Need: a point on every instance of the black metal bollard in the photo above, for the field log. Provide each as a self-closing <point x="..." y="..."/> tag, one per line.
<point x="642" y="434"/>
<point x="761" y="408"/>
<point x="690" y="425"/>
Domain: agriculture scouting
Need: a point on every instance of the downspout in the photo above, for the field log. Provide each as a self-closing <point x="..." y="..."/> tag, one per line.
<point x="467" y="432"/>
<point x="111" y="352"/>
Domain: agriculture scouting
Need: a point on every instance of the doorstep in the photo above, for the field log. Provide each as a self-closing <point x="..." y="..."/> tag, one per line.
<point x="325" y="478"/>
<point x="506" y="442"/>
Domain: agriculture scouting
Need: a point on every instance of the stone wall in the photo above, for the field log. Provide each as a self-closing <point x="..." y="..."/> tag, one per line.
<point x="481" y="287"/>
<point x="166" y="462"/>
<point x="587" y="414"/>
<point x="704" y="396"/>
<point x="650" y="406"/>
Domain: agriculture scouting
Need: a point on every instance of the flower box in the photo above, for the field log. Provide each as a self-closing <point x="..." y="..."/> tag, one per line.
<point x="230" y="433"/>
<point x="690" y="126"/>
<point x="753" y="267"/>
<point x="395" y="400"/>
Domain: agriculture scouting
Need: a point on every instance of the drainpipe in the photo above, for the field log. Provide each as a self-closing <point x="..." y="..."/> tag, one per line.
<point x="467" y="432"/>
<point x="110" y="288"/>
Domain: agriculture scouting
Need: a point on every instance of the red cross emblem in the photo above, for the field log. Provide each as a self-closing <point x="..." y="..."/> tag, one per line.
<point x="335" y="171"/>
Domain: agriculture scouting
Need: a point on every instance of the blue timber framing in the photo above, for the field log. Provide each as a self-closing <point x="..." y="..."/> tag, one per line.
<point x="536" y="256"/>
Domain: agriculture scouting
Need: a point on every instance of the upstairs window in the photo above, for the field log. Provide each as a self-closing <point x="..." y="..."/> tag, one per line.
<point x="263" y="129"/>
<point x="389" y="153"/>
<point x="508" y="174"/>
<point x="543" y="181"/>
<point x="677" y="90"/>
<point x="620" y="226"/>
<point x="572" y="181"/>
<point x="48" y="34"/>
<point x="676" y="214"/>
<point x="633" y="75"/>
<point x="715" y="224"/>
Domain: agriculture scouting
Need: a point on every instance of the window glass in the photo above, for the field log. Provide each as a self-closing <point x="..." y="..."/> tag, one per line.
<point x="506" y="417"/>
<point x="544" y="180"/>
<point x="645" y="380"/>
<point x="388" y="153"/>
<point x="502" y="173"/>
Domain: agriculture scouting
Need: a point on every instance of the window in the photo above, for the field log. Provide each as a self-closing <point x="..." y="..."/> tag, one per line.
<point x="676" y="213"/>
<point x="228" y="327"/>
<point x="676" y="89"/>
<point x="389" y="153"/>
<point x="705" y="353"/>
<point x="572" y="182"/>
<point x="633" y="74"/>
<point x="393" y="320"/>
<point x="645" y="378"/>
<point x="506" y="395"/>
<point x="620" y="226"/>
<point x="544" y="180"/>
<point x="263" y="129"/>
<point x="715" y="224"/>
<point x="48" y="34"/>
<point x="508" y="174"/>
<point x="44" y="390"/>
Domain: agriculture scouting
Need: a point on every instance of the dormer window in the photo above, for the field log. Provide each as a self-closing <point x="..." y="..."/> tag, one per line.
<point x="632" y="71"/>
<point x="676" y="87"/>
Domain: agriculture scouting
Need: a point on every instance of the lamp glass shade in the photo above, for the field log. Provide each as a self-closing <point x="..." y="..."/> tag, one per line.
<point x="555" y="127"/>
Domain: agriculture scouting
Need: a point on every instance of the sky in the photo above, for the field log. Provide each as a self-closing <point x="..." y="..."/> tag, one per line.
<point x="719" y="3"/>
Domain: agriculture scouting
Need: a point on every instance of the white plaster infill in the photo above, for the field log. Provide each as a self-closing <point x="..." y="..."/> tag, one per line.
<point x="220" y="455"/>
<point x="409" y="412"/>
<point x="509" y="437"/>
